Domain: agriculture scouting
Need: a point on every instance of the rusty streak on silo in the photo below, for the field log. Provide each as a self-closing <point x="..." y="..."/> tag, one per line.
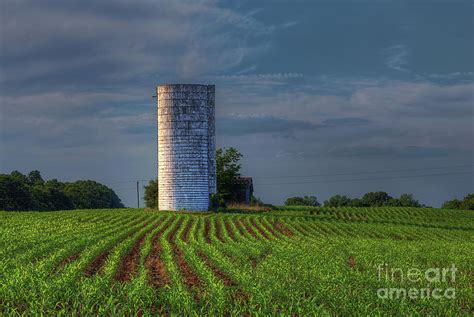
<point x="186" y="146"/>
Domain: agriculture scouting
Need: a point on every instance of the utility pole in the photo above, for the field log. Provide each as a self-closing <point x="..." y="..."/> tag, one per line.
<point x="138" y="195"/>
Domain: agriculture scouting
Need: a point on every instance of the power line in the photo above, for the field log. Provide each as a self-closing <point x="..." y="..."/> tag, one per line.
<point x="367" y="179"/>
<point x="322" y="181"/>
<point x="366" y="172"/>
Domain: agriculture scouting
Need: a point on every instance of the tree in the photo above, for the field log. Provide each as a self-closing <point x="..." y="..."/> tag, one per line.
<point x="468" y="202"/>
<point x="356" y="202"/>
<point x="49" y="197"/>
<point x="337" y="201"/>
<point x="88" y="194"/>
<point x="14" y="193"/>
<point x="34" y="178"/>
<point x="227" y="170"/>
<point x="407" y="200"/>
<point x="19" y="176"/>
<point x="452" y="204"/>
<point x="375" y="199"/>
<point x="151" y="194"/>
<point x="302" y="201"/>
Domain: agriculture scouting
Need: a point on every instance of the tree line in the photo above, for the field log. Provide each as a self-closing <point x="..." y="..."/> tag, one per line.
<point x="21" y="192"/>
<point x="371" y="199"/>
<point x="467" y="203"/>
<point x="378" y="199"/>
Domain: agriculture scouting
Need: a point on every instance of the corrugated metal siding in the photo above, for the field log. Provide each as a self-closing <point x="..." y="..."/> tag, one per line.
<point x="186" y="146"/>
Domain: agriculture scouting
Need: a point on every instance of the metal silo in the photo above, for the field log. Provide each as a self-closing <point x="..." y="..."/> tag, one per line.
<point x="186" y="146"/>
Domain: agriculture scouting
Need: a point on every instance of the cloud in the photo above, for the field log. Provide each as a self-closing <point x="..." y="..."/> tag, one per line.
<point x="339" y="122"/>
<point x="242" y="125"/>
<point x="396" y="57"/>
<point x="453" y="75"/>
<point x="254" y="124"/>
<point x="416" y="99"/>
<point x="77" y="44"/>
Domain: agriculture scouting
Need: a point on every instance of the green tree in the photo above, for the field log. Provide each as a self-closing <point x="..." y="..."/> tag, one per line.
<point x="34" y="178"/>
<point x="19" y="176"/>
<point x="49" y="197"/>
<point x="452" y="204"/>
<point x="376" y="199"/>
<point x="337" y="201"/>
<point x="357" y="202"/>
<point x="407" y="200"/>
<point x="88" y="194"/>
<point x="227" y="170"/>
<point x="468" y="202"/>
<point x="14" y="193"/>
<point x="302" y="201"/>
<point x="151" y="194"/>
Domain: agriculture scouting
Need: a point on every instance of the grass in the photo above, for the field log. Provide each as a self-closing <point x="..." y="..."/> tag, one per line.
<point x="292" y="261"/>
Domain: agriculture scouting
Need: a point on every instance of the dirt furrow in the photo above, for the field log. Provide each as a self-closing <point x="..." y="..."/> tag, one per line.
<point x="280" y="227"/>
<point x="229" y="230"/>
<point x="185" y="235"/>
<point x="259" y="229"/>
<point x="249" y="228"/>
<point x="207" y="230"/>
<point x="269" y="229"/>
<point x="217" y="272"/>
<point x="238" y="225"/>
<point x="129" y="264"/>
<point x="219" y="230"/>
<point x="157" y="275"/>
<point x="237" y="294"/>
<point x="67" y="260"/>
<point x="96" y="265"/>
<point x="190" y="278"/>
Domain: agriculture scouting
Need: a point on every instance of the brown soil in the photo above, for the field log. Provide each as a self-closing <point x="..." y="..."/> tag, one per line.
<point x="190" y="278"/>
<point x="249" y="228"/>
<point x="282" y="228"/>
<point x="241" y="297"/>
<point x="157" y="275"/>
<point x="185" y="236"/>
<point x="269" y="229"/>
<point x="217" y="272"/>
<point x="207" y="229"/>
<point x="238" y="226"/>
<point x="96" y="265"/>
<point x="229" y="230"/>
<point x="351" y="261"/>
<point x="218" y="230"/>
<point x="262" y="232"/>
<point x="129" y="265"/>
<point x="68" y="260"/>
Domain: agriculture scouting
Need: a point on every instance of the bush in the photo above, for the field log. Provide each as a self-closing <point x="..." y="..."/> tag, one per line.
<point x="302" y="201"/>
<point x="337" y="201"/>
<point x="151" y="194"/>
<point x="466" y="204"/>
<point x="217" y="202"/>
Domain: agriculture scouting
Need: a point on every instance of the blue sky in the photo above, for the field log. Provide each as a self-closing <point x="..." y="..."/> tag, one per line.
<point x="305" y="90"/>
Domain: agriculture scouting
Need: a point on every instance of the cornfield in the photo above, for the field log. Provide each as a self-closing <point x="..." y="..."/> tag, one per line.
<point x="293" y="261"/>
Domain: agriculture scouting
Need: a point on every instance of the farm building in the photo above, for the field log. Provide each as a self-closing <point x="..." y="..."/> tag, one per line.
<point x="245" y="191"/>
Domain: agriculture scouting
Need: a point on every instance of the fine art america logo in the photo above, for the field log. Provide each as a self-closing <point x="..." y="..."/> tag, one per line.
<point x="435" y="282"/>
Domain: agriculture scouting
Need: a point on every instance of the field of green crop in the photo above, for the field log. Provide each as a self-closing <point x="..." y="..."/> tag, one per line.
<point x="293" y="261"/>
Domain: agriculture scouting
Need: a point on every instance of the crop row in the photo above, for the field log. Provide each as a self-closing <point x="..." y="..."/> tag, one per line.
<point x="156" y="262"/>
